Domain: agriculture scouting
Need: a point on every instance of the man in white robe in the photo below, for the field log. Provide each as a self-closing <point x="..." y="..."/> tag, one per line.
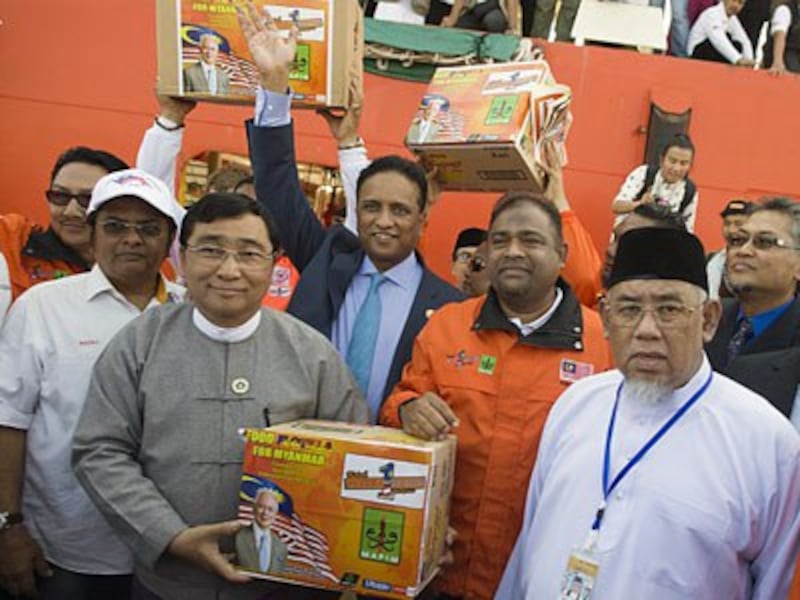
<point x="710" y="509"/>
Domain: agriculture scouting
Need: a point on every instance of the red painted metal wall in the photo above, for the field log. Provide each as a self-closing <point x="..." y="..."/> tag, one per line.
<point x="83" y="73"/>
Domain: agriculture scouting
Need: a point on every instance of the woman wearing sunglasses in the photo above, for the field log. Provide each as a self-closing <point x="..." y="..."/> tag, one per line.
<point x="34" y="254"/>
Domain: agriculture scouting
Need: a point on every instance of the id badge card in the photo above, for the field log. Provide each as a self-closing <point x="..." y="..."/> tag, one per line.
<point x="579" y="578"/>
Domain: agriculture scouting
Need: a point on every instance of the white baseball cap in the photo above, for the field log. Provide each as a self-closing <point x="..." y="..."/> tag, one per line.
<point x="139" y="184"/>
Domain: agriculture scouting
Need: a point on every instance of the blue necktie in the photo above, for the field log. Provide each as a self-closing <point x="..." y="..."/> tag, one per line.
<point x="361" y="350"/>
<point x="212" y="80"/>
<point x="743" y="334"/>
<point x="263" y="552"/>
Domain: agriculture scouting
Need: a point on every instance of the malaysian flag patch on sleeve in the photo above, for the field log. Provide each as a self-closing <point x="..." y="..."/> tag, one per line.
<point x="571" y="371"/>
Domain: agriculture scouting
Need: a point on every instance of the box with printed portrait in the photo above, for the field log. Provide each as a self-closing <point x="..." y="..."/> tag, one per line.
<point x="344" y="507"/>
<point x="203" y="55"/>
<point x="485" y="127"/>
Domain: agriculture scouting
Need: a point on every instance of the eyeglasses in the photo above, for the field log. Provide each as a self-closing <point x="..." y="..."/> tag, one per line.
<point x="62" y="198"/>
<point x="117" y="228"/>
<point x="761" y="241"/>
<point x="247" y="259"/>
<point x="463" y="256"/>
<point x="669" y="314"/>
<point x="477" y="264"/>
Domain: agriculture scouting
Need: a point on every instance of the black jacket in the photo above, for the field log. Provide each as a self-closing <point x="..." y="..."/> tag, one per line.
<point x="768" y="365"/>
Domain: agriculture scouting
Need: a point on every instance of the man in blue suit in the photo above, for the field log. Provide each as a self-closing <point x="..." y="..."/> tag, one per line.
<point x="370" y="293"/>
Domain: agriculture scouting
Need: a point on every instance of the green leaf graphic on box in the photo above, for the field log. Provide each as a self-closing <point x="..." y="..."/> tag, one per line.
<point x="382" y="535"/>
<point x="487" y="364"/>
<point x="302" y="63"/>
<point x="501" y="110"/>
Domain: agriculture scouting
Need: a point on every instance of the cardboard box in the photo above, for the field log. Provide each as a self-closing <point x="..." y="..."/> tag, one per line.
<point x="359" y="508"/>
<point x="483" y="126"/>
<point x="330" y="37"/>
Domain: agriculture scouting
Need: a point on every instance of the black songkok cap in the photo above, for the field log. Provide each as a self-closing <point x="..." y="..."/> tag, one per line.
<point x="659" y="253"/>
<point x="469" y="237"/>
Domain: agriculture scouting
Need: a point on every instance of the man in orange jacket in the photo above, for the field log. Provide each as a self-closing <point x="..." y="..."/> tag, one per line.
<point x="35" y="255"/>
<point x="488" y="369"/>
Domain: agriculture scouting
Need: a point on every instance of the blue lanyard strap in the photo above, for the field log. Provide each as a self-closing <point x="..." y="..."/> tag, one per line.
<point x="644" y="450"/>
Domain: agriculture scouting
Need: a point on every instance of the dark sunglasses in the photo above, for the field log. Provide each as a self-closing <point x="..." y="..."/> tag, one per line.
<point x="60" y="198"/>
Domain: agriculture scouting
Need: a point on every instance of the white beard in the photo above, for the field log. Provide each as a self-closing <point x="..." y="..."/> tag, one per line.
<point x="647" y="393"/>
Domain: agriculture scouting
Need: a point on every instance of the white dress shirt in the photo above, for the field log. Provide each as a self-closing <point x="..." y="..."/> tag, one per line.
<point x="211" y="77"/>
<point x="258" y="534"/>
<point x="711" y="511"/>
<point x="528" y="328"/>
<point x="713" y="24"/>
<point x="50" y="341"/>
<point x="781" y="19"/>
<point x="397" y="296"/>
<point x="226" y="335"/>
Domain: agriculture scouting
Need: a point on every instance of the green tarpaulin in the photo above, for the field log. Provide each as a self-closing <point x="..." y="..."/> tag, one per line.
<point x="432" y="40"/>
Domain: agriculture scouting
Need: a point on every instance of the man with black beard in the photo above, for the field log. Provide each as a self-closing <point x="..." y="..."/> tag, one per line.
<point x="661" y="479"/>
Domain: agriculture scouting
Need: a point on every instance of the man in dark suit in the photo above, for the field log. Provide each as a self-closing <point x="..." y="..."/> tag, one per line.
<point x="369" y="293"/>
<point x="758" y="339"/>
<point x="257" y="546"/>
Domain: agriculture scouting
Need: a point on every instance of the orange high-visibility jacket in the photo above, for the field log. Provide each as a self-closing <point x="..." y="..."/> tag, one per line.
<point x="583" y="266"/>
<point x="501" y="387"/>
<point x="794" y="592"/>
<point x="34" y="255"/>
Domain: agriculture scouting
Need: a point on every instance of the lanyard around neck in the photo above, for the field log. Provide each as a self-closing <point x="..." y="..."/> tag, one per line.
<point x="607" y="489"/>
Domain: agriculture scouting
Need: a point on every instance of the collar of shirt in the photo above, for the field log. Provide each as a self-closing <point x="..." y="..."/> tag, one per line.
<point x="48" y="246"/>
<point x="258" y="533"/>
<point x="762" y="321"/>
<point x="402" y="274"/>
<point x="227" y="335"/>
<point x="529" y="328"/>
<point x="272" y="109"/>
<point x="98" y="284"/>
<point x="563" y="329"/>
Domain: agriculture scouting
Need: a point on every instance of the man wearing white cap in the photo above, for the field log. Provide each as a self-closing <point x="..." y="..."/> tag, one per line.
<point x="52" y="539"/>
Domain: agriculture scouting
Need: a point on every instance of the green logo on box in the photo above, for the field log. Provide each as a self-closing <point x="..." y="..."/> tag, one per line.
<point x="501" y="110"/>
<point x="302" y="63"/>
<point x="382" y="535"/>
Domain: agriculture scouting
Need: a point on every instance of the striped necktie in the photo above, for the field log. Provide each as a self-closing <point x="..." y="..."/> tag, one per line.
<point x="742" y="335"/>
<point x="361" y="350"/>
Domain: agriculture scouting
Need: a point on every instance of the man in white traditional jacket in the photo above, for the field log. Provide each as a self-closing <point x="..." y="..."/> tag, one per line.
<point x="158" y="448"/>
<point x="662" y="479"/>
